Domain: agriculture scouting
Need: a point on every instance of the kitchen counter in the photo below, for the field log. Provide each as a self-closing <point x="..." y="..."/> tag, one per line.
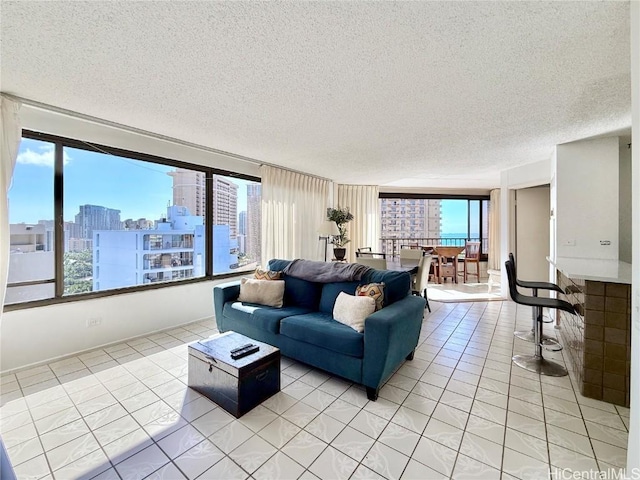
<point x="597" y="338"/>
<point x="597" y="270"/>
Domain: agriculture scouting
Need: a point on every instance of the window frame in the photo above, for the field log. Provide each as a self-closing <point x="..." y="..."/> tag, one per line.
<point x="58" y="193"/>
<point x="440" y="196"/>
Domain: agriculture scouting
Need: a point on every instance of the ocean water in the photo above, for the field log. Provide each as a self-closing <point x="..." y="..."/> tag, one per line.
<point x="459" y="238"/>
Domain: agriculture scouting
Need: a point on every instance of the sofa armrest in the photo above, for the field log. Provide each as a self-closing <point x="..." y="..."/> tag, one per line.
<point x="390" y="335"/>
<point x="223" y="293"/>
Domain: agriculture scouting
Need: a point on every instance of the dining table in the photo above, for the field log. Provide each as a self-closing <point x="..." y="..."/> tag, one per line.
<point x="443" y="268"/>
<point x="408" y="267"/>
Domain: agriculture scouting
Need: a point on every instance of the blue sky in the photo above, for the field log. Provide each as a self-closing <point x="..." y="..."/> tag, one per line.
<point x="138" y="189"/>
<point x="454" y="216"/>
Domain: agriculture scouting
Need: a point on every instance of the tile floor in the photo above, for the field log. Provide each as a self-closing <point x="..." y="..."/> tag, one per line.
<point x="458" y="410"/>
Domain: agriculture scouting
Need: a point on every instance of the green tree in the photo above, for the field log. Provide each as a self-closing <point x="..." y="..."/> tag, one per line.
<point x="78" y="272"/>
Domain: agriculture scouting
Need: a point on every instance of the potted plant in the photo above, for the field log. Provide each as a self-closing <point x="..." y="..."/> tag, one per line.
<point x="341" y="216"/>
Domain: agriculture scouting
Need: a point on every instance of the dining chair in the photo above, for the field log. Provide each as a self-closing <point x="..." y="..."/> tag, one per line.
<point x="471" y="255"/>
<point x="419" y="286"/>
<point x="377" y="263"/>
<point x="370" y="255"/>
<point x="445" y="267"/>
<point x="409" y="256"/>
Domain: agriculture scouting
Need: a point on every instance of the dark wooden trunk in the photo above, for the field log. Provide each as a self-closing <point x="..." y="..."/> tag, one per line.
<point x="235" y="385"/>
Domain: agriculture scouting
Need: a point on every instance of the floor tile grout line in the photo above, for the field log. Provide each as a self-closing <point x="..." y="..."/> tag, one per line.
<point x="440" y="341"/>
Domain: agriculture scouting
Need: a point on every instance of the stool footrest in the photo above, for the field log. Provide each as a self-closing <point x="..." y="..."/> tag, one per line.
<point x="528" y="335"/>
<point x="537" y="364"/>
<point x="551" y="344"/>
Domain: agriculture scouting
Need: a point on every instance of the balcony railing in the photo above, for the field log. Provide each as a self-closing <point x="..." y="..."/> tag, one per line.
<point x="392" y="245"/>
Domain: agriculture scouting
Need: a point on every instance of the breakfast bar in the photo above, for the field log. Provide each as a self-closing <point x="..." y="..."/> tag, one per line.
<point x="598" y="337"/>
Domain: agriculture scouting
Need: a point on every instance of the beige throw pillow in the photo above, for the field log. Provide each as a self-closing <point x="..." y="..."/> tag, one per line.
<point x="263" y="292"/>
<point x="353" y="310"/>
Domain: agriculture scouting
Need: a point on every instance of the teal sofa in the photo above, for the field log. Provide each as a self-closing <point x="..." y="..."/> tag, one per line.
<point x="305" y="330"/>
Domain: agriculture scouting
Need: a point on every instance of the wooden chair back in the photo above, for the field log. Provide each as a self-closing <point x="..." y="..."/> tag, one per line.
<point x="471" y="255"/>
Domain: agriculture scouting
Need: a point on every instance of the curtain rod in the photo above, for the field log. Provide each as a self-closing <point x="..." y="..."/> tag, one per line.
<point x="146" y="133"/>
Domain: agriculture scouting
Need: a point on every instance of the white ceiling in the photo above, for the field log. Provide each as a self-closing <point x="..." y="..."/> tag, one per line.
<point x="415" y="94"/>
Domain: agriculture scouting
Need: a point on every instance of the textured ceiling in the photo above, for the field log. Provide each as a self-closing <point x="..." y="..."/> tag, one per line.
<point x="415" y="94"/>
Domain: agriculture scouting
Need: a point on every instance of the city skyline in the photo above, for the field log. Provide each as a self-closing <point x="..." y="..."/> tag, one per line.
<point x="140" y="190"/>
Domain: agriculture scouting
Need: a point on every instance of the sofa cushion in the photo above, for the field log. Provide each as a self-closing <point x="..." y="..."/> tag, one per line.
<point x="373" y="290"/>
<point x="263" y="292"/>
<point x="260" y="316"/>
<point x="322" y="330"/>
<point x="261" y="274"/>
<point x="330" y="292"/>
<point x="396" y="284"/>
<point x="353" y="310"/>
<point x="298" y="292"/>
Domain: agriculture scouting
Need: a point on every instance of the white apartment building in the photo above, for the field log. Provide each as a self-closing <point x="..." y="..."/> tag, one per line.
<point x="31" y="259"/>
<point x="171" y="251"/>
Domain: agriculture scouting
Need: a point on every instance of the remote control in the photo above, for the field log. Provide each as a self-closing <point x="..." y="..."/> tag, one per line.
<point x="243" y="347"/>
<point x="247" y="350"/>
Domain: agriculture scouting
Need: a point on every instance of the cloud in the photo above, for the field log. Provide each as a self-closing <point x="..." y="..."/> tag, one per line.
<point x="42" y="158"/>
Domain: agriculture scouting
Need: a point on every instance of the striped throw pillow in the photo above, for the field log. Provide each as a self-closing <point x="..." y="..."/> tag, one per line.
<point x="267" y="274"/>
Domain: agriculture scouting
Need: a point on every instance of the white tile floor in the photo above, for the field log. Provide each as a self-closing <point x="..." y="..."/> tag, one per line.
<point x="458" y="410"/>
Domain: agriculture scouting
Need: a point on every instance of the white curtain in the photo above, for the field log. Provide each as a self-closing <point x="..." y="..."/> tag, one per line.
<point x="10" y="134"/>
<point x="494" y="230"/>
<point x="364" y="229"/>
<point x="293" y="208"/>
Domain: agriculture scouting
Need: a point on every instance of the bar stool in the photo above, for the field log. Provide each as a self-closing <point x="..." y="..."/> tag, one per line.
<point x="529" y="335"/>
<point x="537" y="363"/>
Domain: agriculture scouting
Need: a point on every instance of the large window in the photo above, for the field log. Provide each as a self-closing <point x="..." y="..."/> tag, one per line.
<point x="31" y="210"/>
<point x="412" y="220"/>
<point x="87" y="219"/>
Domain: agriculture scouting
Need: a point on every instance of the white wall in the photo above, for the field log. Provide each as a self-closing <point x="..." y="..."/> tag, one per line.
<point x="587" y="187"/>
<point x="34" y="335"/>
<point x="624" y="202"/>
<point x="529" y="175"/>
<point x="633" y="459"/>
<point x="524" y="176"/>
<point x="532" y="233"/>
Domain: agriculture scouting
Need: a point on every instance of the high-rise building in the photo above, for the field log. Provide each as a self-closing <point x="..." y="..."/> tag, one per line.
<point x="242" y="223"/>
<point x="96" y="217"/>
<point x="225" y="204"/>
<point x="254" y="222"/>
<point x="410" y="218"/>
<point x="189" y="190"/>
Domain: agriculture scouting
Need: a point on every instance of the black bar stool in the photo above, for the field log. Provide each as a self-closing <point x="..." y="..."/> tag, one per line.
<point x="537" y="363"/>
<point x="529" y="335"/>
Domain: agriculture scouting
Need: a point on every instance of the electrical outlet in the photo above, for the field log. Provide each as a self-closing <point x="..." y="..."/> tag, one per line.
<point x="94" y="322"/>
